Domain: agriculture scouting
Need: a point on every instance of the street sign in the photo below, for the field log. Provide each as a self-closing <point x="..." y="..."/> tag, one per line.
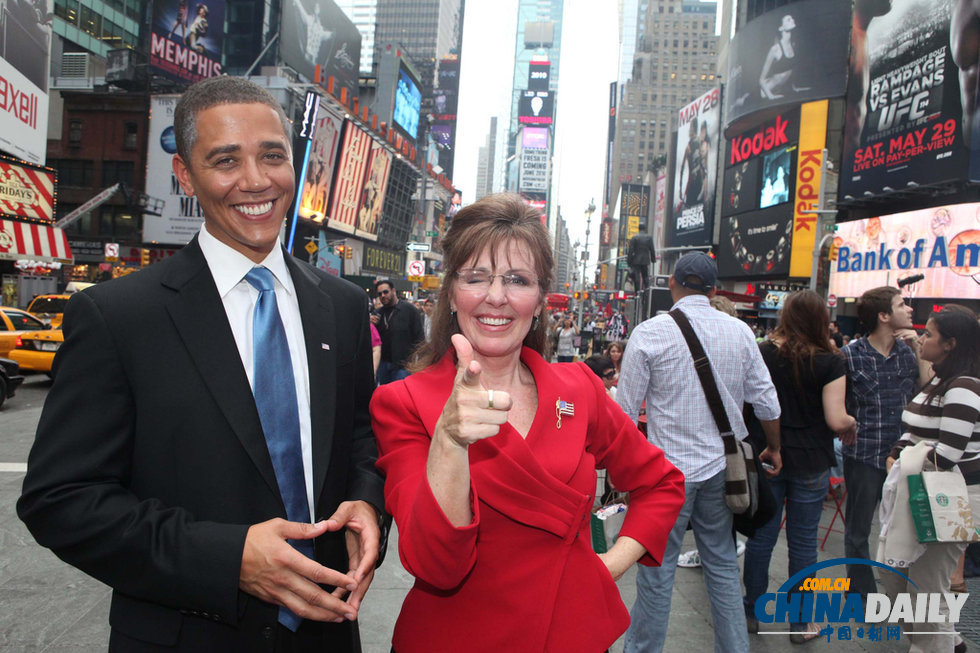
<point x="418" y="247"/>
<point x="416" y="269"/>
<point x="432" y="234"/>
<point x="416" y="278"/>
<point x="311" y="247"/>
<point x="831" y="301"/>
<point x="112" y="252"/>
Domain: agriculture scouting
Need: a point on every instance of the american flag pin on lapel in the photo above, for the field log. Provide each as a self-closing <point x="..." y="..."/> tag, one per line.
<point x="563" y="407"/>
<point x="324" y="345"/>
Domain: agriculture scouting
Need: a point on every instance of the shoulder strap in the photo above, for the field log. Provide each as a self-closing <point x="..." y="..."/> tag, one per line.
<point x="703" y="367"/>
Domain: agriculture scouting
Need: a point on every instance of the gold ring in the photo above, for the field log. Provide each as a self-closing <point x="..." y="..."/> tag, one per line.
<point x="490" y="398"/>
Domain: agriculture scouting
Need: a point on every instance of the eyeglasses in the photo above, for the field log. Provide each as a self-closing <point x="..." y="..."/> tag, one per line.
<point x="383" y="292"/>
<point x="515" y="282"/>
<point x="609" y="374"/>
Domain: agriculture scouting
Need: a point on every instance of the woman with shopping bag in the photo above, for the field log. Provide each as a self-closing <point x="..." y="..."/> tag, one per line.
<point x="946" y="415"/>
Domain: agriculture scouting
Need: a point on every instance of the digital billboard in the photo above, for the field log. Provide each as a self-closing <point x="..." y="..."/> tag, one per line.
<point x="315" y="195"/>
<point x="25" y="45"/>
<point x="535" y="138"/>
<point x="373" y="194"/>
<point x="345" y="200"/>
<point x="634" y="211"/>
<point x="539" y="75"/>
<point x="318" y="33"/>
<point x="696" y="161"/>
<point x="186" y="39"/>
<point x="535" y="108"/>
<point x="904" y="106"/>
<point x="775" y="184"/>
<point x="792" y="54"/>
<point x="408" y="103"/>
<point x="534" y="171"/>
<point x="442" y="133"/>
<point x="941" y="243"/>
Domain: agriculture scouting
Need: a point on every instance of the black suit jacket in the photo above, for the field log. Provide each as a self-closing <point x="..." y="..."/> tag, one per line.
<point x="150" y="463"/>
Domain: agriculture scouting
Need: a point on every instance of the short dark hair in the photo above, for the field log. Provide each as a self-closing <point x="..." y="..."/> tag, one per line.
<point x="874" y="301"/>
<point x="599" y="364"/>
<point x="211" y="92"/>
<point x="377" y="284"/>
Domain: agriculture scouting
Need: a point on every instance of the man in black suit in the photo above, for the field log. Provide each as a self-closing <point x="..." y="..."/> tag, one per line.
<point x="157" y="470"/>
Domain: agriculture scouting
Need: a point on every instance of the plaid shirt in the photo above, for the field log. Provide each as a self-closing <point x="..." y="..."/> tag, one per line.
<point x="658" y="367"/>
<point x="878" y="389"/>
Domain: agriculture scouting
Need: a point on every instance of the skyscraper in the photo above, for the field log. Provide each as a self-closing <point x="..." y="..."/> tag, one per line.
<point x="364" y="15"/>
<point x="485" y="162"/>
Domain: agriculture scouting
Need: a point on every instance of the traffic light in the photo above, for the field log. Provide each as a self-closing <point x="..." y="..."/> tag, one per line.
<point x="144" y="257"/>
<point x="340" y="250"/>
<point x="586" y="295"/>
<point x="576" y="294"/>
<point x="349" y="252"/>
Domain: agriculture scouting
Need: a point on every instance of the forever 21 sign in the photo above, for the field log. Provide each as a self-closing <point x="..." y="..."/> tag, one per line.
<point x="384" y="261"/>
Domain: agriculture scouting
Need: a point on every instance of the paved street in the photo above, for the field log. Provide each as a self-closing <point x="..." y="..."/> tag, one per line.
<point x="46" y="605"/>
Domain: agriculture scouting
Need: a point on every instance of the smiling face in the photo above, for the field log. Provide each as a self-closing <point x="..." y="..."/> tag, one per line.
<point x="241" y="172"/>
<point x="496" y="320"/>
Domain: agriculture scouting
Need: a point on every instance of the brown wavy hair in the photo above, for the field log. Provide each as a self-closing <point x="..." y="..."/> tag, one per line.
<point x="804" y="329"/>
<point x="957" y="322"/>
<point x="488" y="225"/>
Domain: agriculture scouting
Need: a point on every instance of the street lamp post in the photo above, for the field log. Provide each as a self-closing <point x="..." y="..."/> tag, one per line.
<point x="585" y="258"/>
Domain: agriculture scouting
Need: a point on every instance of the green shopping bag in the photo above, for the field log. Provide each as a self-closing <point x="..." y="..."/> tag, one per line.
<point x="925" y="527"/>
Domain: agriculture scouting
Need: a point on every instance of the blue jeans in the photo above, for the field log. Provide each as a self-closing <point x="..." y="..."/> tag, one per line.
<point x="804" y="495"/>
<point x="388" y="372"/>
<point x="705" y="508"/>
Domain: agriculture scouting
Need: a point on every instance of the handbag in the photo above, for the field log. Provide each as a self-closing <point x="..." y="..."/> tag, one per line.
<point x="940" y="506"/>
<point x="741" y="473"/>
<point x="606" y="521"/>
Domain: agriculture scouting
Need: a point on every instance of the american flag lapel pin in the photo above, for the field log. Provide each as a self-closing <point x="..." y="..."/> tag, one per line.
<point x="563" y="407"/>
<point x="325" y="346"/>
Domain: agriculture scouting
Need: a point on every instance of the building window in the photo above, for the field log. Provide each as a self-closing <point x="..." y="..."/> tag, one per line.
<point x="130" y="135"/>
<point x="74" y="173"/>
<point x="74" y="133"/>
<point x="118" y="171"/>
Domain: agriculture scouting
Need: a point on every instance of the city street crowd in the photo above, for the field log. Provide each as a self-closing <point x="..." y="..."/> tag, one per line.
<point x="230" y="433"/>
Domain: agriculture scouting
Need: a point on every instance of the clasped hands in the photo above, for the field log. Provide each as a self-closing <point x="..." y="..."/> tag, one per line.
<point x="277" y="573"/>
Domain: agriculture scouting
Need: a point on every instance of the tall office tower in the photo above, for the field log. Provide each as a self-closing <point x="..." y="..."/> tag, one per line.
<point x="632" y="22"/>
<point x="673" y="65"/>
<point x="539" y="38"/>
<point x="485" y="162"/>
<point x="364" y="15"/>
<point x="564" y="258"/>
<point x="425" y="29"/>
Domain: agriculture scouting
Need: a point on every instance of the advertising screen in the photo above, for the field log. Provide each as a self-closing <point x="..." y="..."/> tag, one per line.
<point x="444" y="104"/>
<point x="27" y="192"/>
<point x="775" y="183"/>
<point x="408" y="104"/>
<point x="904" y="106"/>
<point x="535" y="138"/>
<point x="346" y="197"/>
<point x="534" y="171"/>
<point x="634" y="210"/>
<point x="741" y="188"/>
<point x="756" y="244"/>
<point x="25" y="44"/>
<point x="696" y="161"/>
<point x="787" y="56"/>
<point x="319" y="171"/>
<point x="443" y="133"/>
<point x="538" y="75"/>
<point x="182" y="215"/>
<point x="373" y="195"/>
<point x="535" y="108"/>
<point x="318" y="33"/>
<point x="942" y="244"/>
<point x="186" y="39"/>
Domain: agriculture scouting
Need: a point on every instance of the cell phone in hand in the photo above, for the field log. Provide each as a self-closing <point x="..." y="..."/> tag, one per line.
<point x="766" y="466"/>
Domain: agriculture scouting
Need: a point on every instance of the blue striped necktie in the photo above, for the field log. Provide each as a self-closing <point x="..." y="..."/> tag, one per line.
<point x="275" y="397"/>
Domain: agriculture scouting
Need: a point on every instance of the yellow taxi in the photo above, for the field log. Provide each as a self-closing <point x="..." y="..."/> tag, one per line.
<point x="50" y="308"/>
<point x="15" y="322"/>
<point x="35" y="350"/>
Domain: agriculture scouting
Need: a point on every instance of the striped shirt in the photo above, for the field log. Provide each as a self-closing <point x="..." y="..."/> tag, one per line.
<point x="952" y="420"/>
<point x="658" y="367"/>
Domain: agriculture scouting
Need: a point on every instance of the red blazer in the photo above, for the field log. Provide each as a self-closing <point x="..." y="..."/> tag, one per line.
<point x="523" y="573"/>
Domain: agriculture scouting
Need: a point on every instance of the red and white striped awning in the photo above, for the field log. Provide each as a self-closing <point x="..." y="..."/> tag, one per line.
<point x="36" y="242"/>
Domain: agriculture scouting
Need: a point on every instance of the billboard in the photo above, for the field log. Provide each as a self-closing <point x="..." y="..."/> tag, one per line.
<point x="806" y="193"/>
<point x="535" y="108"/>
<point x="941" y="243"/>
<point x="25" y="45"/>
<point x="696" y="161"/>
<point x="181" y="216"/>
<point x="634" y="210"/>
<point x="345" y="199"/>
<point x="442" y="133"/>
<point x="316" y="186"/>
<point x="186" y="39"/>
<point x="27" y="192"/>
<point x="318" y="33"/>
<point x="534" y="171"/>
<point x="538" y="75"/>
<point x="373" y="194"/>
<point x="904" y="113"/>
<point x="408" y="103"/>
<point x="787" y="56"/>
<point x="535" y="138"/>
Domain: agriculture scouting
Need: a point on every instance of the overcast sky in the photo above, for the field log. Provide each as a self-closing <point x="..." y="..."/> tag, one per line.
<point x="589" y="62"/>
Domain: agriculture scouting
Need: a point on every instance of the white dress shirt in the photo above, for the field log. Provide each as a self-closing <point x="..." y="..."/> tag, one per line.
<point x="228" y="269"/>
<point x="658" y="367"/>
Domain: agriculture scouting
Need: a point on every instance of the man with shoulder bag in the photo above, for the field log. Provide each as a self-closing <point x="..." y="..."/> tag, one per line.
<point x="659" y="367"/>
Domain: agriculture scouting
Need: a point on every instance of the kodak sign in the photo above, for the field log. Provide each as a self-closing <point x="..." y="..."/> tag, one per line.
<point x="809" y="169"/>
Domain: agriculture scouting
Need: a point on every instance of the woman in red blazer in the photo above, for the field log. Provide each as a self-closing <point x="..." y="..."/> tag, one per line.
<point x="490" y="455"/>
